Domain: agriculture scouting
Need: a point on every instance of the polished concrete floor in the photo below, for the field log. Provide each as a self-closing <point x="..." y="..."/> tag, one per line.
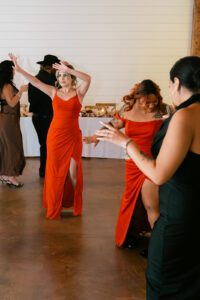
<point x="74" y="258"/>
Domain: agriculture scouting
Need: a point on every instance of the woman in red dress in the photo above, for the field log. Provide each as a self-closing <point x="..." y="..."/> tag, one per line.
<point x="63" y="178"/>
<point x="142" y="117"/>
<point x="173" y="270"/>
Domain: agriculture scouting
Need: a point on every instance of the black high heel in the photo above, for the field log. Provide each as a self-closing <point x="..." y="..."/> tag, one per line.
<point x="131" y="243"/>
<point x="144" y="253"/>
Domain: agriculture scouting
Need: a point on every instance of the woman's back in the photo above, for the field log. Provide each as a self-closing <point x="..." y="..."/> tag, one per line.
<point x="193" y="118"/>
<point x="181" y="191"/>
<point x="7" y="109"/>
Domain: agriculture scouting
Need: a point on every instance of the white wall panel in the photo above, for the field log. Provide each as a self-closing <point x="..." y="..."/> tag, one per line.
<point x="118" y="42"/>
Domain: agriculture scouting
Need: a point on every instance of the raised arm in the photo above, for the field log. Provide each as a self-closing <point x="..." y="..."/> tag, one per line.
<point x="45" y="88"/>
<point x="86" y="79"/>
<point x="175" y="146"/>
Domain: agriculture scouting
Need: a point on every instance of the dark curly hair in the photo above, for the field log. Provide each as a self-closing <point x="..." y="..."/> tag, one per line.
<point x="6" y="73"/>
<point x="143" y="89"/>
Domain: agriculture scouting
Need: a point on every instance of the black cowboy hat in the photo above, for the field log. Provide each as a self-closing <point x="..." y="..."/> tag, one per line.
<point x="49" y="60"/>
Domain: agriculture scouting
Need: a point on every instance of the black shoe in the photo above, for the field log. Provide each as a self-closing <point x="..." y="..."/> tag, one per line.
<point x="41" y="173"/>
<point x="131" y="243"/>
<point x="144" y="253"/>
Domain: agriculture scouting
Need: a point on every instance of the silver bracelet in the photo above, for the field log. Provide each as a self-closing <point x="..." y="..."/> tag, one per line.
<point x="125" y="144"/>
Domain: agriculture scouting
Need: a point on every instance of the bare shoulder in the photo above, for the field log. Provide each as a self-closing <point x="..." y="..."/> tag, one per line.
<point x="193" y="109"/>
<point x="182" y="118"/>
<point x="188" y="113"/>
<point x="7" y="89"/>
<point x="192" y="114"/>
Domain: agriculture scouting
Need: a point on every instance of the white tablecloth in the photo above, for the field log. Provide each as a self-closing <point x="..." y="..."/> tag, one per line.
<point x="87" y="126"/>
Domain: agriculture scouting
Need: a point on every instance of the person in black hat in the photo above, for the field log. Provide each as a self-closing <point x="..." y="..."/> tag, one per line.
<point x="41" y="105"/>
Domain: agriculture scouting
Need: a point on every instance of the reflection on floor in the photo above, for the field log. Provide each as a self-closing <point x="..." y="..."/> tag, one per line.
<point x="74" y="258"/>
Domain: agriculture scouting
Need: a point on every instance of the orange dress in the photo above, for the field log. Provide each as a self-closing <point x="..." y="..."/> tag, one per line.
<point x="143" y="134"/>
<point x="64" y="141"/>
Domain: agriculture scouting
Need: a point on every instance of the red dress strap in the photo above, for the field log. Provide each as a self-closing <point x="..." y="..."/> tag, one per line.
<point x="117" y="116"/>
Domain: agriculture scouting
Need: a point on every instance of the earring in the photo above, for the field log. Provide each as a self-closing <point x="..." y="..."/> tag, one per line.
<point x="57" y="85"/>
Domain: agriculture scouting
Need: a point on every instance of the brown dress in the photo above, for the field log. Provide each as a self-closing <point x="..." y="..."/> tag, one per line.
<point x="12" y="160"/>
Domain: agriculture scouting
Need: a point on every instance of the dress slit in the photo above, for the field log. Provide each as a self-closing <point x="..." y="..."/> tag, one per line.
<point x="70" y="194"/>
<point x="129" y="199"/>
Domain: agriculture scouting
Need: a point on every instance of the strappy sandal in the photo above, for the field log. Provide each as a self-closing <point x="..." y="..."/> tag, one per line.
<point x="11" y="184"/>
<point x="3" y="180"/>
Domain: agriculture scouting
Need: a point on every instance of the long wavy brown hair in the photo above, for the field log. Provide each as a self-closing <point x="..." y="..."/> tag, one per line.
<point x="144" y="89"/>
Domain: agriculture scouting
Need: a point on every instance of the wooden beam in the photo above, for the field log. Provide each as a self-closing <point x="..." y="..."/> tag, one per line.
<point x="195" y="45"/>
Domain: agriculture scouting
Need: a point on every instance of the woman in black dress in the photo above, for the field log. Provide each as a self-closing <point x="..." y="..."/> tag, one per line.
<point x="173" y="271"/>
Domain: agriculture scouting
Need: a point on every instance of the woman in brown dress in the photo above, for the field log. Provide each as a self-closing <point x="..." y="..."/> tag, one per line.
<point x="12" y="160"/>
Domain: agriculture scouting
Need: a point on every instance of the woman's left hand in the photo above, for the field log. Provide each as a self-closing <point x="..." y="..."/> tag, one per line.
<point x="60" y="67"/>
<point x="14" y="60"/>
<point x="111" y="134"/>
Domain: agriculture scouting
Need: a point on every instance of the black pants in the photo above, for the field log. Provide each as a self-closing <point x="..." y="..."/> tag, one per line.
<point x="41" y="124"/>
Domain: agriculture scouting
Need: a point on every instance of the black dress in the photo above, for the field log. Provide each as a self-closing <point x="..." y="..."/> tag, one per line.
<point x="173" y="271"/>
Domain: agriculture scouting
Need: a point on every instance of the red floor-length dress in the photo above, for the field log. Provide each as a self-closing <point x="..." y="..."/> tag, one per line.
<point x="143" y="134"/>
<point x="64" y="141"/>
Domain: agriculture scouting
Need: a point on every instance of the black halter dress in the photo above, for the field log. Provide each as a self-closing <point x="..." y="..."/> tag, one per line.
<point x="173" y="271"/>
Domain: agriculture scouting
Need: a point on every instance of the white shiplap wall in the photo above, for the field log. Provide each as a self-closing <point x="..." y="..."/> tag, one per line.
<point x="118" y="42"/>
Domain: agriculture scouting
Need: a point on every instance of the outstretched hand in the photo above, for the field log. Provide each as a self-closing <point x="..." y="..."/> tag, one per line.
<point x="90" y="140"/>
<point x="111" y="135"/>
<point x="14" y="60"/>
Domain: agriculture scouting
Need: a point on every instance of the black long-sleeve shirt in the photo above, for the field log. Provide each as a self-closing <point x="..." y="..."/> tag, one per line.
<point x="40" y="103"/>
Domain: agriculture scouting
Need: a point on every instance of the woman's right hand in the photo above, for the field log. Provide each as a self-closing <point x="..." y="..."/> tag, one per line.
<point x="91" y="139"/>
